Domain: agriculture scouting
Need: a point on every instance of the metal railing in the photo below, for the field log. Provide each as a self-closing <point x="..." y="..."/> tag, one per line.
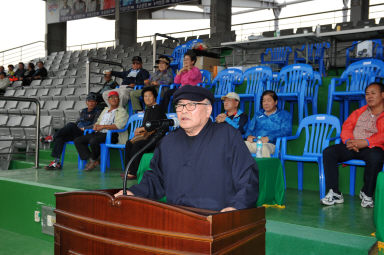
<point x="23" y="53"/>
<point x="37" y="126"/>
<point x="88" y="69"/>
<point x="243" y="30"/>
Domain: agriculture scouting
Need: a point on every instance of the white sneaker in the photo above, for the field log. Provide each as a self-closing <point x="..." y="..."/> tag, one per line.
<point x="365" y="200"/>
<point x="332" y="198"/>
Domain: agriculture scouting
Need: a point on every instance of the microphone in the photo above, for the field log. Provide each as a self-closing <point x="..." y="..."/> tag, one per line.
<point x="152" y="125"/>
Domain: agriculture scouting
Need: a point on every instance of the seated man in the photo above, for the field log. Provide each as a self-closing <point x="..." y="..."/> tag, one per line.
<point x="69" y="132"/>
<point x="134" y="76"/>
<point x="269" y="123"/>
<point x="4" y="83"/>
<point x="109" y="84"/>
<point x="362" y="135"/>
<point x="19" y="74"/>
<point x="111" y="118"/>
<point x="41" y="72"/>
<point x="163" y="76"/>
<point x="202" y="164"/>
<point x="233" y="115"/>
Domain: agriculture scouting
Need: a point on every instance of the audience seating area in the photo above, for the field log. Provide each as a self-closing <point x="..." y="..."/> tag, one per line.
<point x="63" y="94"/>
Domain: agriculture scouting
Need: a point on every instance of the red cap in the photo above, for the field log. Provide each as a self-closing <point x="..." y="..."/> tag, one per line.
<point x="113" y="93"/>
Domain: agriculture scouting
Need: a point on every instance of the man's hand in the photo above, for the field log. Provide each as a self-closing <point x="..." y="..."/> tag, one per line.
<point x="132" y="85"/>
<point x="97" y="127"/>
<point x="228" y="209"/>
<point x="221" y="118"/>
<point x="250" y="138"/>
<point x="155" y="83"/>
<point x="356" y="144"/>
<point x="120" y="193"/>
<point x="82" y="129"/>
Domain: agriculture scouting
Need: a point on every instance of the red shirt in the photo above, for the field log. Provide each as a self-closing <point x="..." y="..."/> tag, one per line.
<point x="375" y="140"/>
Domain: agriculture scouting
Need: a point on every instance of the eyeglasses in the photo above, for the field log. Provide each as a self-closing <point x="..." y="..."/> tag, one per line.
<point x="189" y="106"/>
<point x="113" y="97"/>
<point x="135" y="63"/>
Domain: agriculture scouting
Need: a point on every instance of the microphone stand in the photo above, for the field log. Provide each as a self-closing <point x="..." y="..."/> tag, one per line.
<point x="158" y="134"/>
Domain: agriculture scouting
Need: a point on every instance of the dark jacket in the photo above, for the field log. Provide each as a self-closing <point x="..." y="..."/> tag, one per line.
<point x="212" y="170"/>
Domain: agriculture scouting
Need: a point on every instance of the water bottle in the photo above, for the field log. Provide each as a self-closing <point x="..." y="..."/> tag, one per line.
<point x="259" y="148"/>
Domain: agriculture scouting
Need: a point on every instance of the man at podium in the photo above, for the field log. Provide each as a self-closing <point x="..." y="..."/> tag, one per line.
<point x="202" y="164"/>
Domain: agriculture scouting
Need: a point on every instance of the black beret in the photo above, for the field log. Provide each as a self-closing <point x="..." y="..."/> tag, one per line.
<point x="91" y="96"/>
<point x="193" y="93"/>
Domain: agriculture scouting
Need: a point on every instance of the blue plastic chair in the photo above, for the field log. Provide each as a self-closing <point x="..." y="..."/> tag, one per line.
<point x="206" y="79"/>
<point x="258" y="79"/>
<point x="312" y="93"/>
<point x="319" y="130"/>
<point x="292" y="87"/>
<point x="133" y="122"/>
<point x="356" y="78"/>
<point x="315" y="53"/>
<point x="80" y="163"/>
<point x="225" y="82"/>
<point x="377" y="51"/>
<point x="191" y="43"/>
<point x="177" y="56"/>
<point x="278" y="56"/>
<point x="353" y="163"/>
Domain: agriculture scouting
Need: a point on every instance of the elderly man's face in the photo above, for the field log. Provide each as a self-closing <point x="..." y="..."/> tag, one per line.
<point x="374" y="96"/>
<point x="91" y="104"/>
<point x="230" y="104"/>
<point x="194" y="115"/>
<point x="113" y="101"/>
<point x="136" y="65"/>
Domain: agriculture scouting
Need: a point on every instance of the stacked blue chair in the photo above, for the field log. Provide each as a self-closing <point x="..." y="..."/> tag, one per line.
<point x="134" y="122"/>
<point x="293" y="81"/>
<point x="177" y="56"/>
<point x="355" y="78"/>
<point x="258" y="79"/>
<point x="312" y="93"/>
<point x="225" y="82"/>
<point x="206" y="79"/>
<point x="178" y="53"/>
<point x="319" y="131"/>
<point x="278" y="56"/>
<point x="377" y="51"/>
<point x="315" y="55"/>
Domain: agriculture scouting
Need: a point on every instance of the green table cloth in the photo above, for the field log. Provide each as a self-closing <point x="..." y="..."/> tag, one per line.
<point x="379" y="207"/>
<point x="271" y="179"/>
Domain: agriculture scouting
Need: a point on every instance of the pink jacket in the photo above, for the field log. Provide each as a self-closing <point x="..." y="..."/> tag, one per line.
<point x="375" y="140"/>
<point x="192" y="77"/>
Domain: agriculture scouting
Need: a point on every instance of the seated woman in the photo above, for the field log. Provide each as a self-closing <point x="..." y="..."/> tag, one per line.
<point x="188" y="75"/>
<point x="163" y="76"/>
<point x="152" y="112"/>
<point x="111" y="118"/>
<point x="269" y="123"/>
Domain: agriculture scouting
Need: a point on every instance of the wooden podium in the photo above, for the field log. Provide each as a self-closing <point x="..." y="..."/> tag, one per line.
<point x="94" y="222"/>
